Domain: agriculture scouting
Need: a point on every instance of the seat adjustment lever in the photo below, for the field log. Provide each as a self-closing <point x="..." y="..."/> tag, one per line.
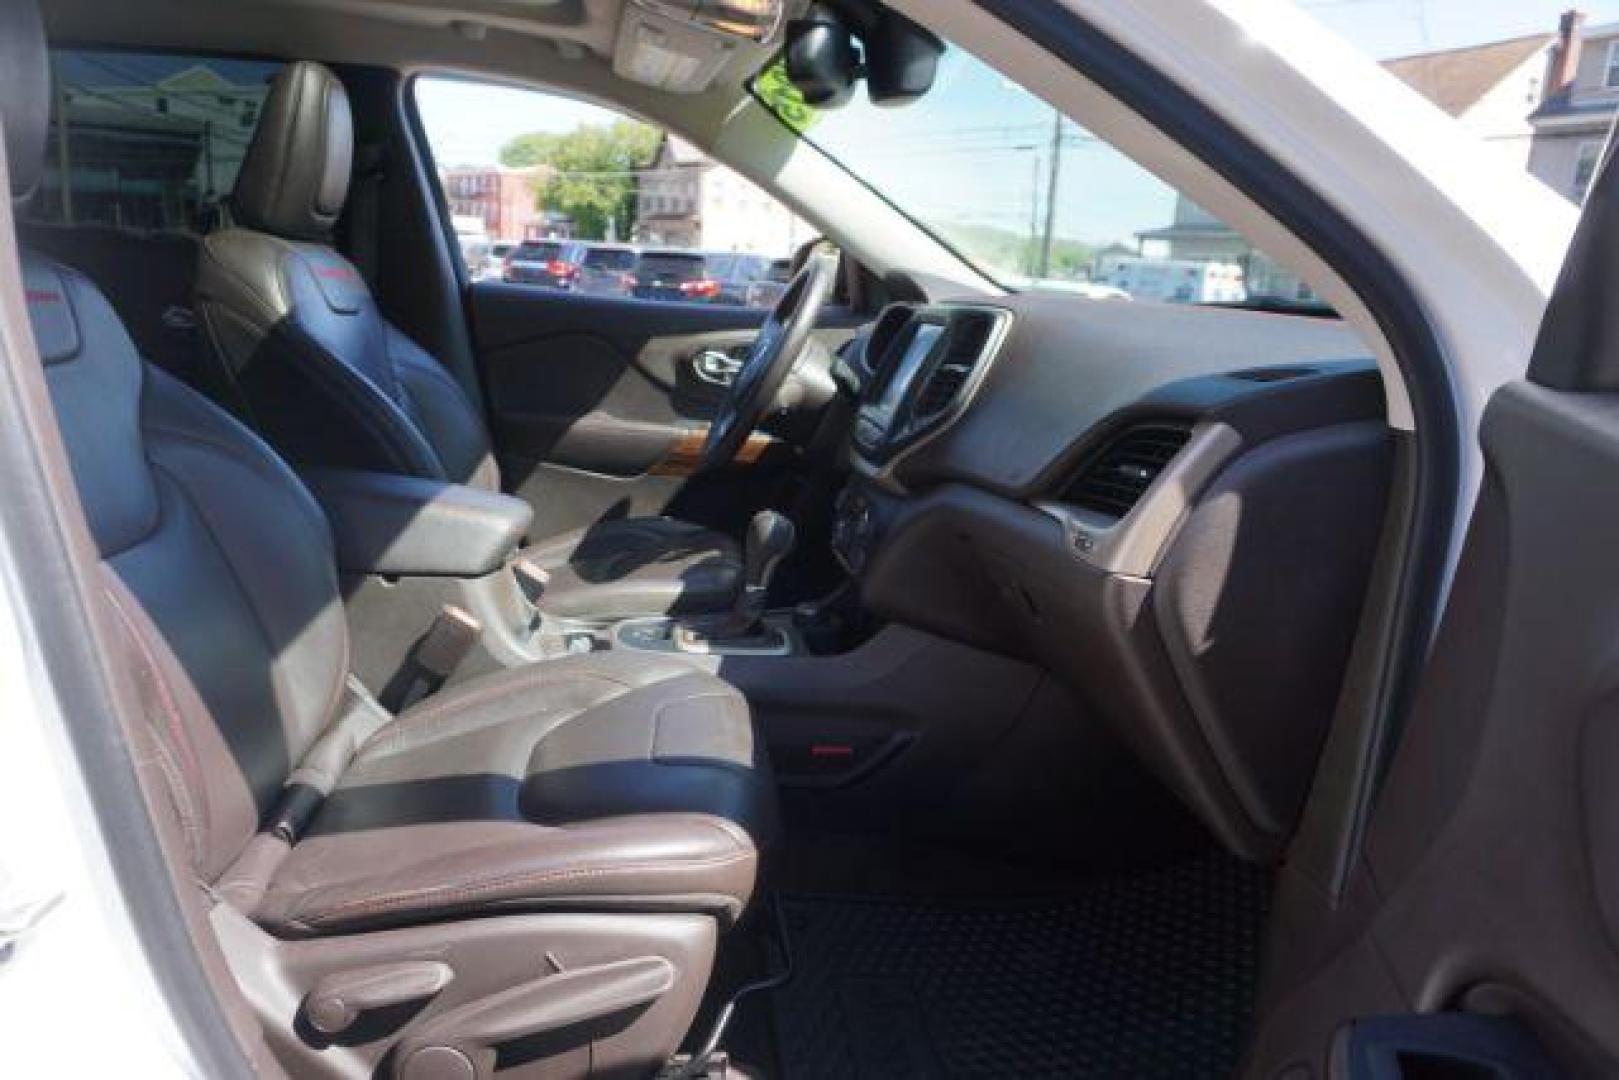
<point x="461" y="1043"/>
<point x="339" y="998"/>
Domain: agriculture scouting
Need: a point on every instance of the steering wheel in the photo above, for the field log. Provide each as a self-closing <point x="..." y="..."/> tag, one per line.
<point x="771" y="359"/>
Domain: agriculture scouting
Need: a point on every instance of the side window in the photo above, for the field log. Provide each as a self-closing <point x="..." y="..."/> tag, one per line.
<point x="1585" y="167"/>
<point x="146" y="141"/>
<point x="585" y="200"/>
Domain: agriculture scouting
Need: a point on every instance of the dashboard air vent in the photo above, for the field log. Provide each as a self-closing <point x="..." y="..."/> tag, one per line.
<point x="1117" y="477"/>
<point x="964" y="349"/>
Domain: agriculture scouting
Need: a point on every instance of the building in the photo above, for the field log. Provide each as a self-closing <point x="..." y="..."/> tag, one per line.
<point x="505" y="200"/>
<point x="1490" y="89"/>
<point x="687" y="199"/>
<point x="1542" y="102"/>
<point x="150" y="142"/>
<point x="1571" y="124"/>
<point x="1546" y="101"/>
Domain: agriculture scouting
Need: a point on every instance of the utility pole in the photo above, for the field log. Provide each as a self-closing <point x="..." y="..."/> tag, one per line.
<point x="1028" y="253"/>
<point x="1051" y="193"/>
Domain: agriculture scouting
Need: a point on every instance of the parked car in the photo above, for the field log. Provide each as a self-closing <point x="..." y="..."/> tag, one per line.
<point x="736" y="271"/>
<point x="767" y="290"/>
<point x="1175" y="281"/>
<point x="540" y="262"/>
<point x="474" y="245"/>
<point x="672" y="275"/>
<point x="495" y="264"/>
<point x="600" y="269"/>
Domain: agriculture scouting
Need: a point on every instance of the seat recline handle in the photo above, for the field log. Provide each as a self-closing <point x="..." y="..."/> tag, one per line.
<point x="460" y="1044"/>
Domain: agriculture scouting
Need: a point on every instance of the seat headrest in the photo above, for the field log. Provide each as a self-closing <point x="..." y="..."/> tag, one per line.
<point x="25" y="93"/>
<point x="295" y="174"/>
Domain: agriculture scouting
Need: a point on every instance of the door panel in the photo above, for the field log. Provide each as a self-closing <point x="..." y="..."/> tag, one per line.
<point x="1489" y="878"/>
<point x="585" y="395"/>
<point x="598" y="406"/>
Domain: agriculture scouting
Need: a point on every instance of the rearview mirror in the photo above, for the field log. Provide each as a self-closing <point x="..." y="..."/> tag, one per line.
<point x="901" y="59"/>
<point x="821" y="59"/>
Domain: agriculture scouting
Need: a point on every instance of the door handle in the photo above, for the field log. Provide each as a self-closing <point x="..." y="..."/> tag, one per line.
<point x="715" y="367"/>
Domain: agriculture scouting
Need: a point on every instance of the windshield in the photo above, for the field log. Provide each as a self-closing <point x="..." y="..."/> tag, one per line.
<point x="1030" y="199"/>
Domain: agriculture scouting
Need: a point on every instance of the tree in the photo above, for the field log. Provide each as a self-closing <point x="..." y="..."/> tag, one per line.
<point x="593" y="172"/>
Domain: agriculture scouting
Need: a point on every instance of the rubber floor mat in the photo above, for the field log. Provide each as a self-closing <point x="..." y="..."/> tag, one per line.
<point x="1148" y="975"/>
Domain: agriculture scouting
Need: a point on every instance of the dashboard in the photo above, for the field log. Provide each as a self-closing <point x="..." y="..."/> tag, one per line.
<point x="1172" y="509"/>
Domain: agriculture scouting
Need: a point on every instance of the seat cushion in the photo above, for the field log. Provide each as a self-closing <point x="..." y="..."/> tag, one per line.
<point x="603" y="782"/>
<point x="638" y="566"/>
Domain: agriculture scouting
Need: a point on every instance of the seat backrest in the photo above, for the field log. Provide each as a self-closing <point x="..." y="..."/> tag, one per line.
<point x="303" y="354"/>
<point x="218" y="563"/>
<point x="221" y="570"/>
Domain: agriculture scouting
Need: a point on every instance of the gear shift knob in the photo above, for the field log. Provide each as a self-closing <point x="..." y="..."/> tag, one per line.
<point x="769" y="540"/>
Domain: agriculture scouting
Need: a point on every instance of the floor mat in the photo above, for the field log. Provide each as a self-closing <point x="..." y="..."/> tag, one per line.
<point x="1145" y="975"/>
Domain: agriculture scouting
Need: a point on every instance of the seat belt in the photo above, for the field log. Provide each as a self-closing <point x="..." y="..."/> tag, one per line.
<point x="364" y="210"/>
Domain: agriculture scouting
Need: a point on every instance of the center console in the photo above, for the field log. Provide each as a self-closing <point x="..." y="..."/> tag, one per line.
<point x="922" y="366"/>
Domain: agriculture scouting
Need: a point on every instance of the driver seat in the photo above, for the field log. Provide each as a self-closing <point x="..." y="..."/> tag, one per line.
<point x="302" y="354"/>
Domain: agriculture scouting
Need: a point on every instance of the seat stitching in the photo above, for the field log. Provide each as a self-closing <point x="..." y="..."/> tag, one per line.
<point x="185" y="799"/>
<point x="473" y="890"/>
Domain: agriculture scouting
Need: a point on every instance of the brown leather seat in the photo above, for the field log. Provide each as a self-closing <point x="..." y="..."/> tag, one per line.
<point x="644" y="778"/>
<point x="624" y="782"/>
<point x="306" y="357"/>
<point x="302" y="819"/>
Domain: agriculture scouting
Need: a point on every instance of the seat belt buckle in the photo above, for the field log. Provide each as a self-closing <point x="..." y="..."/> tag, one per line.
<point x="455" y="633"/>
<point x="532" y="579"/>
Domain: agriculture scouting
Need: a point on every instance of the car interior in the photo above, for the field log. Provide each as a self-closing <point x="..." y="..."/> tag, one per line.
<point x="913" y="677"/>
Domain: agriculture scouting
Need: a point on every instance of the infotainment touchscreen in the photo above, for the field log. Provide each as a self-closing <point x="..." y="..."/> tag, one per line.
<point x="921" y="344"/>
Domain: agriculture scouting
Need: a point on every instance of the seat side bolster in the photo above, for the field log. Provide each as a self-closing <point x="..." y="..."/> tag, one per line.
<point x="444" y="412"/>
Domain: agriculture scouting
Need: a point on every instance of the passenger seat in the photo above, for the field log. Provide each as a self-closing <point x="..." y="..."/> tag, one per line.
<point x="531" y="869"/>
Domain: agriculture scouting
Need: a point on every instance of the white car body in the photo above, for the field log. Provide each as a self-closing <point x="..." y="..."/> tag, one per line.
<point x="1479" y="246"/>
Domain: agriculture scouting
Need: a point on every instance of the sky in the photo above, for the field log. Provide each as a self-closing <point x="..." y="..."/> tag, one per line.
<point x="468" y="122"/>
<point x="471" y="122"/>
<point x="976" y="151"/>
<point x="1385" y="28"/>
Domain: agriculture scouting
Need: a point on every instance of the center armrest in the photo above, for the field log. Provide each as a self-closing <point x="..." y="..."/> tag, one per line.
<point x="385" y="523"/>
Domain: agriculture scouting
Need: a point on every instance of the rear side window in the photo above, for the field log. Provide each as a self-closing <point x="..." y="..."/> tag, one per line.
<point x="147" y="141"/>
<point x="537" y="252"/>
<point x="610" y="259"/>
<point x="669" y="264"/>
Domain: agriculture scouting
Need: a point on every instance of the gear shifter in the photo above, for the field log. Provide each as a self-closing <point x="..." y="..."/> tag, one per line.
<point x="769" y="540"/>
